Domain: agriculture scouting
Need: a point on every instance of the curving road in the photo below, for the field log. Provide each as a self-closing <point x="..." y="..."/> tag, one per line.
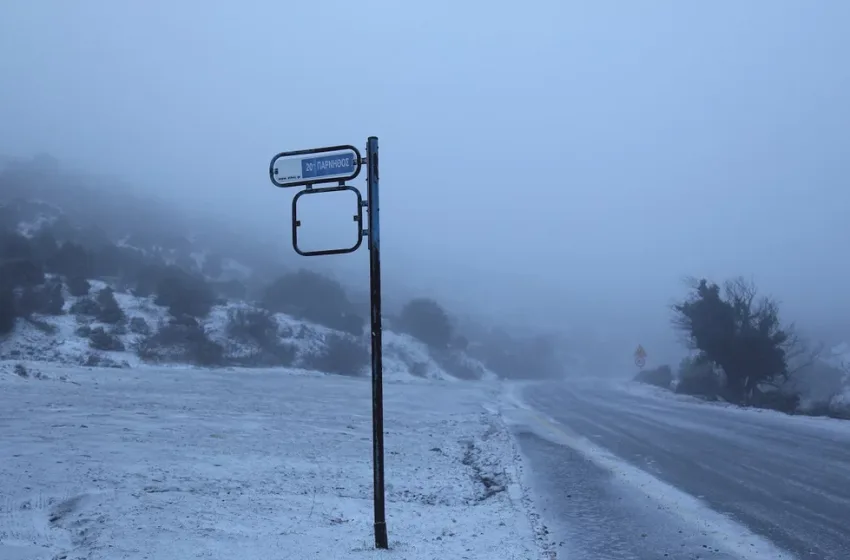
<point x="784" y="481"/>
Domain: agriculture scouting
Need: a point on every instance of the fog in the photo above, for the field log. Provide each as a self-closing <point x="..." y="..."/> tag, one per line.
<point x="554" y="163"/>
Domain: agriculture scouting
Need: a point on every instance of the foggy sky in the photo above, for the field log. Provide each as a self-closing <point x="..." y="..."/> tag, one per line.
<point x="538" y="158"/>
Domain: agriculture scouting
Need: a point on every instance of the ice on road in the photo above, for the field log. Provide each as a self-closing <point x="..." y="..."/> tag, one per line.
<point x="628" y="472"/>
<point x="176" y="464"/>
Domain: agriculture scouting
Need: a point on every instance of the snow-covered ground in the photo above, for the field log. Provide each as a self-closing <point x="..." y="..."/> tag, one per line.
<point x="781" y="420"/>
<point x="250" y="464"/>
<point x="823" y="386"/>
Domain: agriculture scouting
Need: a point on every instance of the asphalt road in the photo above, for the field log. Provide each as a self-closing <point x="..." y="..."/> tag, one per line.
<point x="785" y="480"/>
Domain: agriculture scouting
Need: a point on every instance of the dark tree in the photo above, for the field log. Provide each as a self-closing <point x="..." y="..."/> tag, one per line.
<point x="427" y="321"/>
<point x="314" y="297"/>
<point x="461" y="343"/>
<point x="14" y="246"/>
<point x="739" y="332"/>
<point x="51" y="299"/>
<point x="27" y="302"/>
<point x="340" y="354"/>
<point x="99" y="339"/>
<point x="44" y="245"/>
<point x="78" y="286"/>
<point x="147" y="278"/>
<point x="260" y="328"/>
<point x="85" y="306"/>
<point x="252" y="325"/>
<point x="71" y="260"/>
<point x="7" y="310"/>
<point x="108" y="309"/>
<point x="21" y="273"/>
<point x="184" y="294"/>
<point x="182" y="339"/>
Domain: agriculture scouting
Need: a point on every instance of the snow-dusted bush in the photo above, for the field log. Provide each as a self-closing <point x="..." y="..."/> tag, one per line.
<point x="78" y="286"/>
<point x="85" y="306"/>
<point x="457" y="364"/>
<point x="316" y="298"/>
<point x="426" y="320"/>
<point x="661" y="376"/>
<point x="699" y="378"/>
<point x="181" y="340"/>
<point x="340" y="354"/>
<point x="108" y="309"/>
<point x="100" y="339"/>
<point x="138" y="325"/>
<point x="256" y="336"/>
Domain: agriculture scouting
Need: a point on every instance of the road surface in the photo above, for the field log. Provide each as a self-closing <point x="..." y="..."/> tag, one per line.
<point x="634" y="473"/>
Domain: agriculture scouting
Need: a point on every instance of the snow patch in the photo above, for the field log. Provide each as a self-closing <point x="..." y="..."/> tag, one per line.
<point x="176" y="464"/>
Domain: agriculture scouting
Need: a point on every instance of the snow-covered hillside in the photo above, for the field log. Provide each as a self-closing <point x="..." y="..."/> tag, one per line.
<point x="42" y="194"/>
<point x="63" y="339"/>
<point x="63" y="240"/>
<point x="61" y="230"/>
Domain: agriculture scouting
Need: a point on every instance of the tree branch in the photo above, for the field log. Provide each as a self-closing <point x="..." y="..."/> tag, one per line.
<point x="799" y="353"/>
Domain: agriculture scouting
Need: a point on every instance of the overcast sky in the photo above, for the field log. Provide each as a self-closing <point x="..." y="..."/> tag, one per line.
<point x="538" y="155"/>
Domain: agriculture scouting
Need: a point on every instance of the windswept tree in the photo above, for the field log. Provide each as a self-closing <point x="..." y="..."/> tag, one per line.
<point x="426" y="320"/>
<point x="314" y="297"/>
<point x="740" y="332"/>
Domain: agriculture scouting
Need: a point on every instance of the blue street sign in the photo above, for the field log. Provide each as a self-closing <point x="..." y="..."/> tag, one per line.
<point x="339" y="164"/>
<point x="310" y="167"/>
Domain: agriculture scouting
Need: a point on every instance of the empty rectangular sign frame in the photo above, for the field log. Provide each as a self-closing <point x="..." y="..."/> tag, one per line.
<point x="310" y="167"/>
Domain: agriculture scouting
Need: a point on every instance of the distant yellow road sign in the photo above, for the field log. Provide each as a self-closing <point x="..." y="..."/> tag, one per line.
<point x="640" y="356"/>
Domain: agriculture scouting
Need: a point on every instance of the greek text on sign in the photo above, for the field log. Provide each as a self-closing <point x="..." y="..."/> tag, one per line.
<point x="309" y="167"/>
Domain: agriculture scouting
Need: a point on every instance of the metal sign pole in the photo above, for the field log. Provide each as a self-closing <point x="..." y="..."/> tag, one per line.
<point x="381" y="540"/>
<point x="338" y="164"/>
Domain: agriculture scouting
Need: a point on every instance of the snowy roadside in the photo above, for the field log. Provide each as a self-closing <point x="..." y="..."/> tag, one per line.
<point x="175" y="464"/>
<point x="774" y="416"/>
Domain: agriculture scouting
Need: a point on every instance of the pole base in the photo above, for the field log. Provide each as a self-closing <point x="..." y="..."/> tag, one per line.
<point x="381" y="540"/>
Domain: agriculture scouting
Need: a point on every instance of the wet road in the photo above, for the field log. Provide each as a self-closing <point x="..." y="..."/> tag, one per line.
<point x="785" y="480"/>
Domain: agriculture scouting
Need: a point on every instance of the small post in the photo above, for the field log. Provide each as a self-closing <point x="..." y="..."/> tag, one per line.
<point x="381" y="539"/>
